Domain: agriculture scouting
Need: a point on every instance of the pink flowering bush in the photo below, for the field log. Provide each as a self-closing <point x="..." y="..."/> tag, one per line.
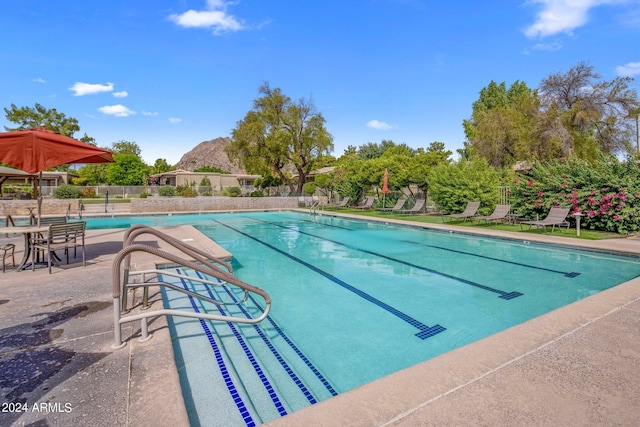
<point x="606" y="193"/>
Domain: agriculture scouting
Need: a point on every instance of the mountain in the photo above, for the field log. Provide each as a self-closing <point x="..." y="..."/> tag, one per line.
<point x="209" y="153"/>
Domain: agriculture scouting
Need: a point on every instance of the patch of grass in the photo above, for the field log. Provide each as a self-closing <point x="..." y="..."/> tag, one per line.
<point x="437" y="219"/>
<point x="101" y="201"/>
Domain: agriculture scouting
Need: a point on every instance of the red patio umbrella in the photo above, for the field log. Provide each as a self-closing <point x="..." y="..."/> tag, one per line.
<point x="35" y="150"/>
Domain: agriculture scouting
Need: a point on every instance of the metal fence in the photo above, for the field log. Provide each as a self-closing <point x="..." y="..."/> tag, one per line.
<point x="504" y="195"/>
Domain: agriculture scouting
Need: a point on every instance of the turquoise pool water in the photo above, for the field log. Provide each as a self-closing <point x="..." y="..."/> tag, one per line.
<point x="354" y="301"/>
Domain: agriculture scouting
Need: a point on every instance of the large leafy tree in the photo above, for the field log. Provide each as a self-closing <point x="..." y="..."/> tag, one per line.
<point x="128" y="169"/>
<point x="279" y="135"/>
<point x="503" y="126"/>
<point x="160" y="166"/>
<point x="42" y="117"/>
<point x="594" y="114"/>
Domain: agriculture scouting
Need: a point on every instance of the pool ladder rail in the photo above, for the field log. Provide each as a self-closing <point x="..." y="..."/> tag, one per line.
<point x="124" y="279"/>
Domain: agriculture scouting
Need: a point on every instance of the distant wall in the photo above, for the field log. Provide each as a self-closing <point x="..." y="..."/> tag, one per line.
<point x="17" y="208"/>
<point x="204" y="203"/>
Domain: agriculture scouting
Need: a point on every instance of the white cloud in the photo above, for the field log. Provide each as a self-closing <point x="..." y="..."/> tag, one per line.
<point x="174" y="120"/>
<point x="81" y="89"/>
<point x="629" y="70"/>
<point x="376" y="124"/>
<point x="549" y="47"/>
<point x="121" y="94"/>
<point x="215" y="17"/>
<point x="116" y="110"/>
<point x="39" y="80"/>
<point x="148" y="113"/>
<point x="561" y="16"/>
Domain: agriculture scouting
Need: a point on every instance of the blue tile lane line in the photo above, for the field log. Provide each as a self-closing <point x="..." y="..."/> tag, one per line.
<point x="425" y="331"/>
<point x="502" y="294"/>
<point x="254" y="363"/>
<point x="570" y="275"/>
<point x="300" y="354"/>
<point x="305" y="391"/>
<point x="242" y="408"/>
<point x="564" y="273"/>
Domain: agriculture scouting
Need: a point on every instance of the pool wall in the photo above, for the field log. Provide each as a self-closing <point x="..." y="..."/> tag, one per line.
<point x="214" y="203"/>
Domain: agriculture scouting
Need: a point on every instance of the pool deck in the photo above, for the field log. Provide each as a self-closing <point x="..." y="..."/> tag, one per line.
<point x="578" y="365"/>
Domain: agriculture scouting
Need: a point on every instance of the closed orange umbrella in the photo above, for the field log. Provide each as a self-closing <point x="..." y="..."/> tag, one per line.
<point x="385" y="182"/>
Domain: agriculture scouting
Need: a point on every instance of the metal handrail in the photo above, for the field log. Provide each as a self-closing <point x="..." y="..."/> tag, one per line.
<point x="120" y="289"/>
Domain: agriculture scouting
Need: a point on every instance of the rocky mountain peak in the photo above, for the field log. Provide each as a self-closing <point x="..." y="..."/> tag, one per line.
<point x="209" y="153"/>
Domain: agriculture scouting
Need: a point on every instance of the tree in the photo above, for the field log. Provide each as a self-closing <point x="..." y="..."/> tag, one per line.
<point x="212" y="169"/>
<point x="278" y="134"/>
<point x="41" y="117"/>
<point x="594" y="113"/>
<point x="93" y="174"/>
<point x="503" y="126"/>
<point x="128" y="169"/>
<point x="126" y="147"/>
<point x="160" y="166"/>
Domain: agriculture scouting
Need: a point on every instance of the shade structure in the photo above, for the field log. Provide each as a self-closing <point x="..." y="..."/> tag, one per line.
<point x="34" y="150"/>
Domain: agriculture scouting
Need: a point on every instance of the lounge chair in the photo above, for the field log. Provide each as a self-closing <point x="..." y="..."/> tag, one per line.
<point x="417" y="208"/>
<point x="470" y="211"/>
<point x="342" y="203"/>
<point x="556" y="216"/>
<point x="498" y="214"/>
<point x="398" y="206"/>
<point x="368" y="204"/>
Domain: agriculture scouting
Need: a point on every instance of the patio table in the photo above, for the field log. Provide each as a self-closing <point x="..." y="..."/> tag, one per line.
<point x="26" y="231"/>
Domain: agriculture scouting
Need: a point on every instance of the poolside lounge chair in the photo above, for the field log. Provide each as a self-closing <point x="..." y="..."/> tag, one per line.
<point x="417" y="208"/>
<point x="470" y="211"/>
<point x="498" y="214"/>
<point x="342" y="203"/>
<point x="368" y="204"/>
<point x="398" y="206"/>
<point x="556" y="216"/>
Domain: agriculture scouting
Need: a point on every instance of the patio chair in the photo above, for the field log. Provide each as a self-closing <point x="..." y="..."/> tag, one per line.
<point x="498" y="214"/>
<point x="9" y="250"/>
<point x="59" y="236"/>
<point x="470" y="211"/>
<point x="368" y="204"/>
<point x="398" y="206"/>
<point x="556" y="216"/>
<point x="417" y="208"/>
<point x="76" y="233"/>
<point x="342" y="203"/>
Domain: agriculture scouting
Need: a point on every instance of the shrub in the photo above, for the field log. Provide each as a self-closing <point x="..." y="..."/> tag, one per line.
<point x="309" y="188"/>
<point x="167" y="191"/>
<point x="602" y="191"/>
<point x="205" y="187"/>
<point x="232" y="191"/>
<point x="66" y="192"/>
<point x="257" y="193"/>
<point x="452" y="186"/>
<point x="144" y="195"/>
<point x="88" y="193"/>
<point x="188" y="192"/>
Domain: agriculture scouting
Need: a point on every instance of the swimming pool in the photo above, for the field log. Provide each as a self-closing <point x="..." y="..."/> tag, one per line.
<point x="354" y="301"/>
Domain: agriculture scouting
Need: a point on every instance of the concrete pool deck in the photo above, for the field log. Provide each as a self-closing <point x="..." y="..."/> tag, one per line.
<point x="577" y="365"/>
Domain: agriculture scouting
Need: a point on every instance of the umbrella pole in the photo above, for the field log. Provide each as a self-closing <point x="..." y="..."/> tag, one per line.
<point x="39" y="198"/>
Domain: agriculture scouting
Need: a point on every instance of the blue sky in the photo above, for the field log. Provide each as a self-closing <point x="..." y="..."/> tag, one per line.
<point x="169" y="74"/>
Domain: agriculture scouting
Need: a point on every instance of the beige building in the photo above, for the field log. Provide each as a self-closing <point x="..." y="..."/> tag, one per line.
<point x="219" y="181"/>
<point x="10" y="177"/>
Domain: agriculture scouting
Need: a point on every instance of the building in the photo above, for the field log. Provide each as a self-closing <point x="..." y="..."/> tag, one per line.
<point x="219" y="181"/>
